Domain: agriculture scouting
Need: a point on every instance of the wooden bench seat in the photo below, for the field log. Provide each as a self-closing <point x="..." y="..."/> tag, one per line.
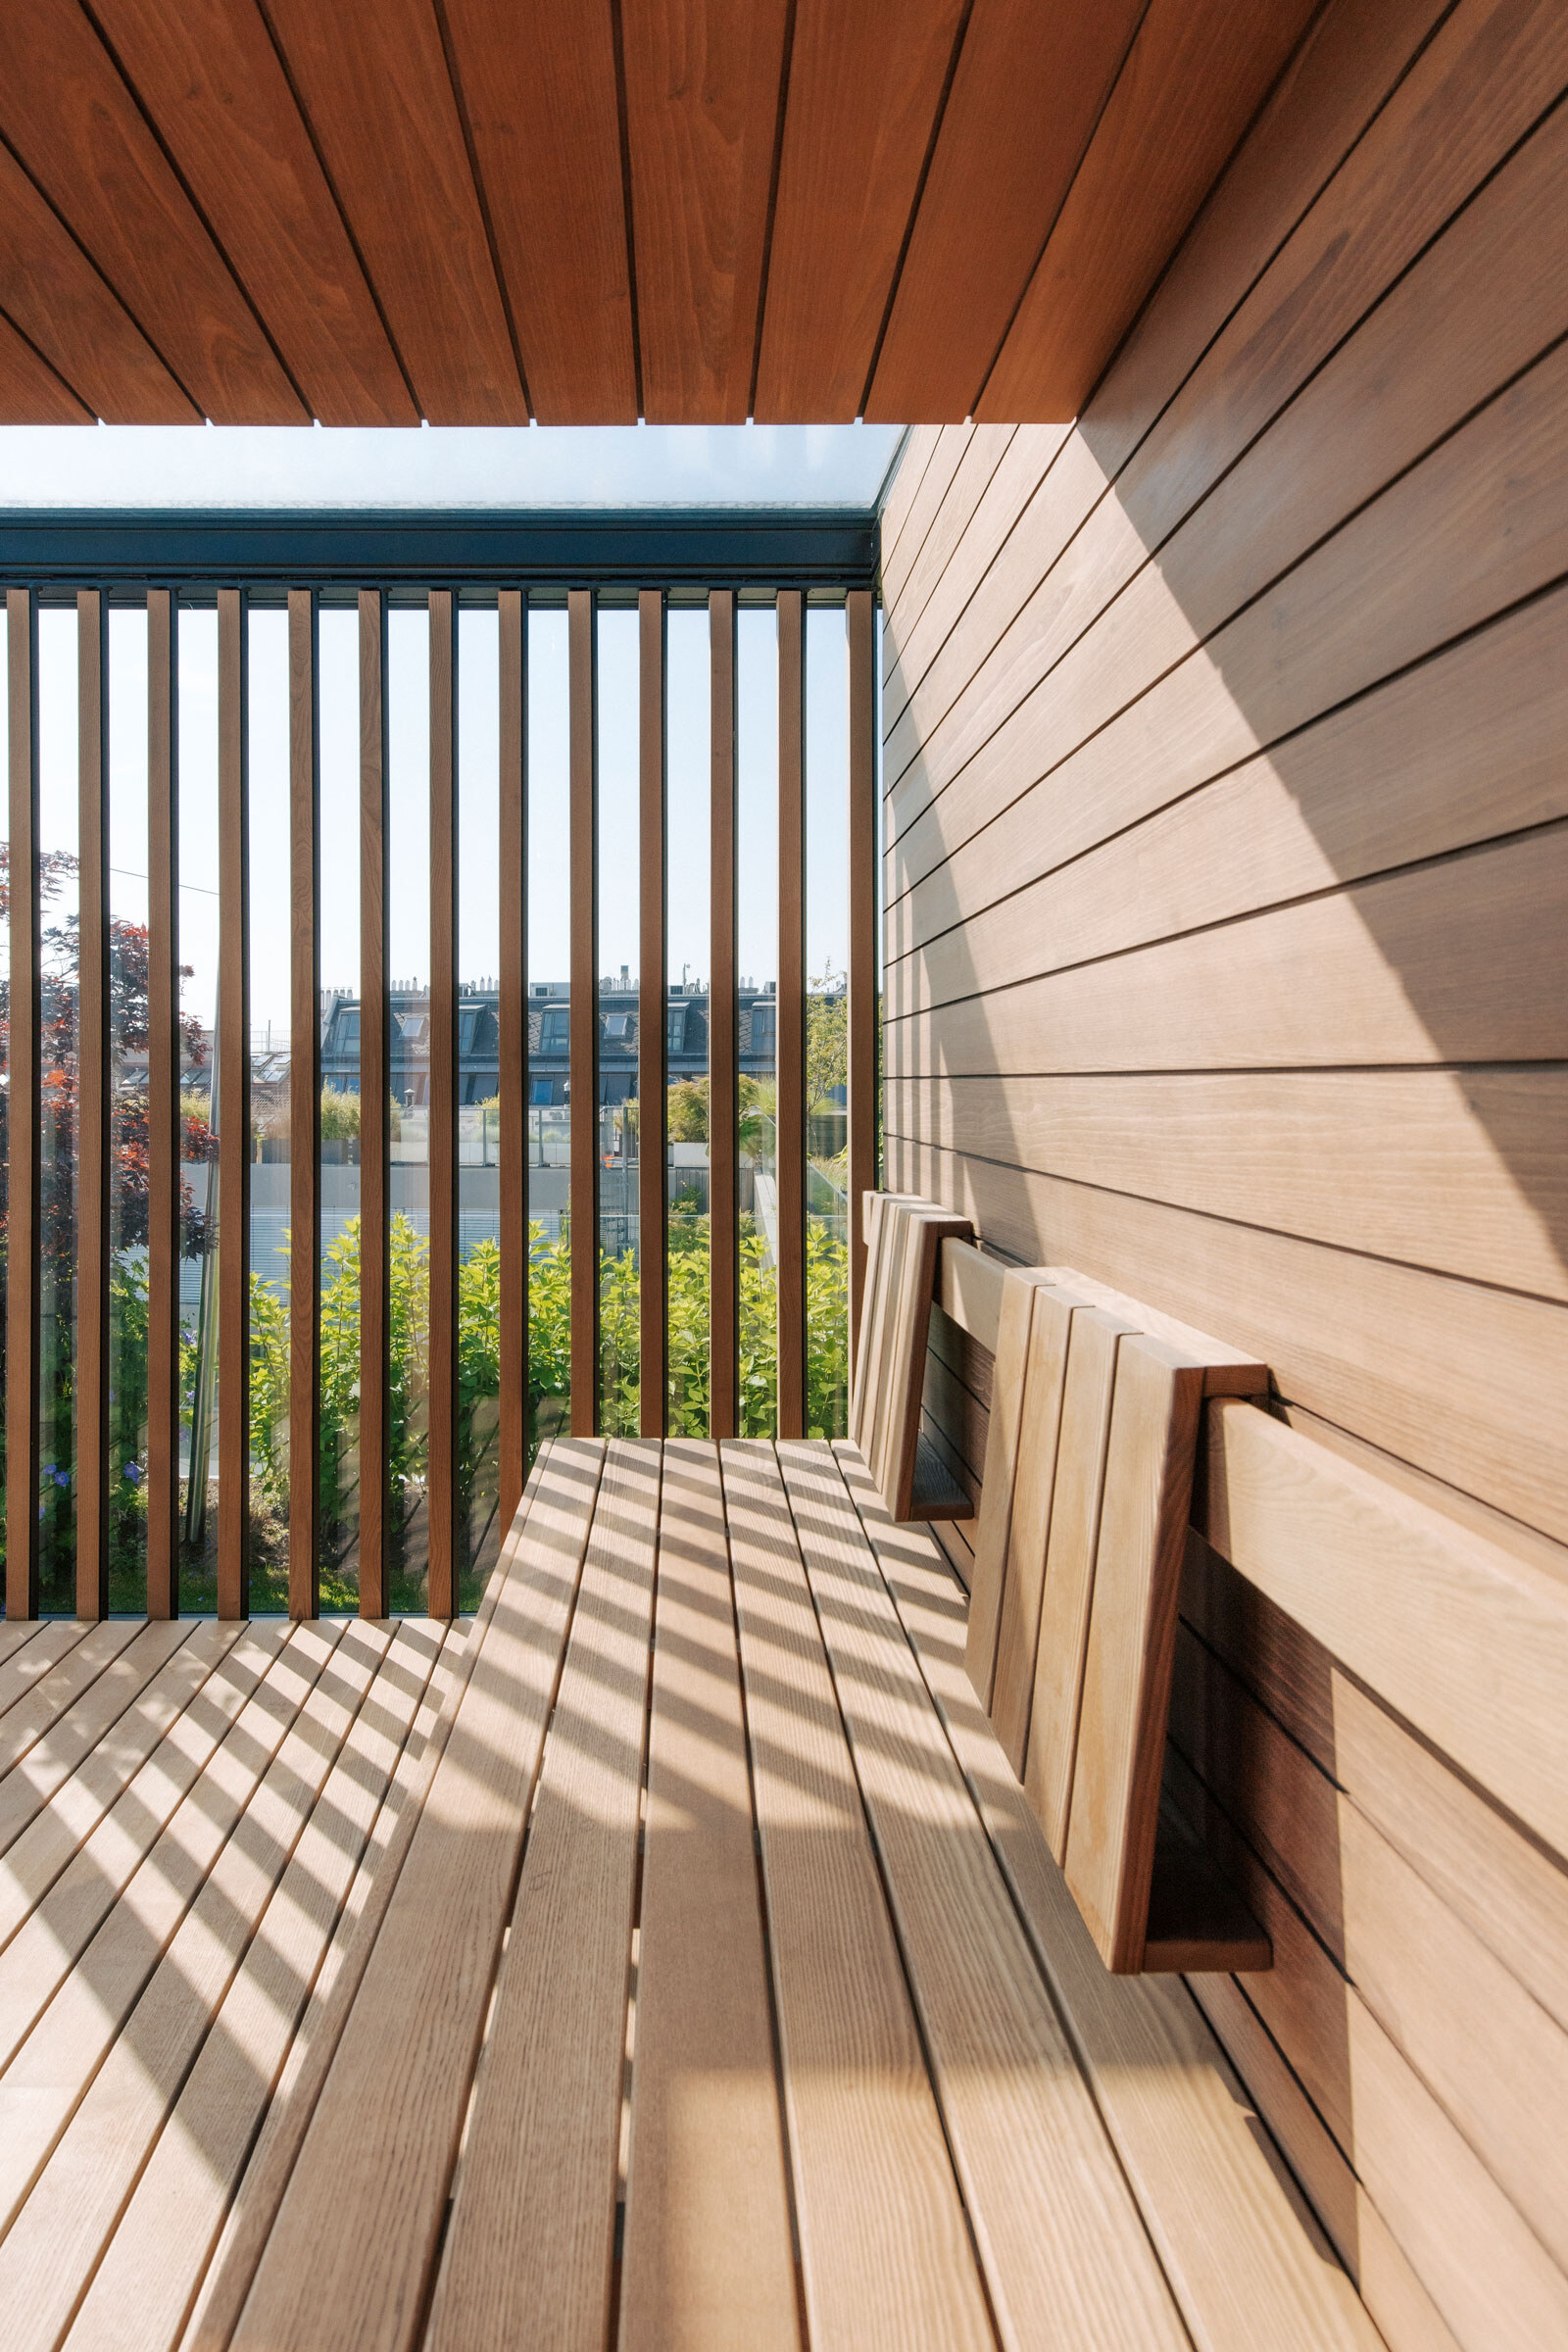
<point x="666" y="1957"/>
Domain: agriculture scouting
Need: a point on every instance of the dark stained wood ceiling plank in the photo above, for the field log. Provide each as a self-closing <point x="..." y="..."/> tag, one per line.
<point x="1027" y="94"/>
<point x="865" y="87"/>
<point x="374" y="88"/>
<point x="538" y="86"/>
<point x="702" y="96"/>
<point x="30" y="390"/>
<point x="61" y="304"/>
<point x="1195" y="76"/>
<point x="209" y="77"/>
<point x="76" y="129"/>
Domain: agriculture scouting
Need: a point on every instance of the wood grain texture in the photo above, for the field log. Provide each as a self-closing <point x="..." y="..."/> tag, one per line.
<point x="1049" y="1449"/>
<point x="531" y="2238"/>
<point x="992" y="1535"/>
<point x="1025" y="101"/>
<point x="377" y="98"/>
<point x="538" y="88"/>
<point x="862" y="1017"/>
<point x="1243" y="2258"/>
<point x="870" y="2168"/>
<point x="74" y="1738"/>
<point x="1040" y="2182"/>
<point x="707" y="2246"/>
<point x="22" y="1121"/>
<point x="447" y="1536"/>
<point x="790" y="1036"/>
<point x="583" y="886"/>
<point x="94" y="1077"/>
<point x="1132" y="1630"/>
<point x="79" y="133"/>
<point x="724" y="1032"/>
<point x="375" y="1122"/>
<point x="863" y="94"/>
<point x="305" y="1108"/>
<point x="1192" y="77"/>
<point x="385" y="2127"/>
<point x="653" y="994"/>
<point x="704" y="93"/>
<point x="213" y="81"/>
<point x="513" y="1050"/>
<point x="32" y="391"/>
<point x="231" y="1078"/>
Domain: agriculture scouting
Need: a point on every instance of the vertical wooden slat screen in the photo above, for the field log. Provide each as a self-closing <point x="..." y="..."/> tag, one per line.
<point x="23" y="1141"/>
<point x="162" y="1103"/>
<point x="652" y="1191"/>
<point x="441" y="1488"/>
<point x="233" y="1076"/>
<point x="305" y="1108"/>
<point x="584" y="1054"/>
<point x="92" y="1104"/>
<point x="790" y="1018"/>
<point x="723" y="1363"/>
<point x="374" y="1081"/>
<point x="512" y="1075"/>
<point x="861" y="1010"/>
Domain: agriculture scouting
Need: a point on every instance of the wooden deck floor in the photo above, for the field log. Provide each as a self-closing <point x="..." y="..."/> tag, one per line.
<point x="660" y="1958"/>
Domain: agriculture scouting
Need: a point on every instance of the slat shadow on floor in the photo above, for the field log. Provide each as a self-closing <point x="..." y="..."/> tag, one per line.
<point x="659" y="1958"/>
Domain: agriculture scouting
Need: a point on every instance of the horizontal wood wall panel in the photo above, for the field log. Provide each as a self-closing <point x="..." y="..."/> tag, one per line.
<point x="980" y="457"/>
<point x="930" y="461"/>
<point x="1432" y="146"/>
<point x="1479" y="1187"/>
<point x="915" y="453"/>
<point x="1447" y="962"/>
<point x="1446" y="756"/>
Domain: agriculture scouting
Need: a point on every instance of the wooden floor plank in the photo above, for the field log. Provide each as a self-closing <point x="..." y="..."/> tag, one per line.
<point x="530" y="2243"/>
<point x="16" y="1633"/>
<point x="382" y="2141"/>
<point x="24" y="1725"/>
<point x="54" y="2063"/>
<point x="72" y="1736"/>
<point x="1244" y="2258"/>
<point x="886" y="2257"/>
<point x="48" y="2256"/>
<point x="707" y="2261"/>
<point x="1064" y="2250"/>
<point x="161" y="2245"/>
<point x="59" y="1825"/>
<point x="44" y="1942"/>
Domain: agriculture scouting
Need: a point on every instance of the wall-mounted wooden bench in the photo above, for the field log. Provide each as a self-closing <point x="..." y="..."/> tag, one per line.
<point x="1094" y="1419"/>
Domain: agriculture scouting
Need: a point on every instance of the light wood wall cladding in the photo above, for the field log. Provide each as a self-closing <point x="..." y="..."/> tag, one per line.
<point x="1225" y="816"/>
<point x="691" y="213"/>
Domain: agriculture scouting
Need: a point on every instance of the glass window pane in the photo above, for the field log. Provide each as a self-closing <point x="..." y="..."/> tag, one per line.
<point x="129" y="1007"/>
<point x="198" y="1149"/>
<point x="338" y="682"/>
<point x="689" y="689"/>
<point x="408" y="1054"/>
<point x="548" y="970"/>
<point x="478" y="1100"/>
<point x="827" y="952"/>
<point x="617" y="1010"/>
<point x="757" y="956"/>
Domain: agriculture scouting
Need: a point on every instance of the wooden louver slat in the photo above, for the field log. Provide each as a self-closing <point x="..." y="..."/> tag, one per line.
<point x="162" y="1104"/>
<point x="585" y="1055"/>
<point x="233" y="1079"/>
<point x="375" y="1081"/>
<point x="92" y="1371"/>
<point x="790" y="1019"/>
<point x="512" y="1074"/>
<point x="723" y="1073"/>
<point x="441" y="1488"/>
<point x="651" y="1186"/>
<point x="22" y="1280"/>
<point x="305" y="1108"/>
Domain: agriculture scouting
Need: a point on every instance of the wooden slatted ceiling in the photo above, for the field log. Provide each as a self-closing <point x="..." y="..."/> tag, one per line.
<point x="266" y="210"/>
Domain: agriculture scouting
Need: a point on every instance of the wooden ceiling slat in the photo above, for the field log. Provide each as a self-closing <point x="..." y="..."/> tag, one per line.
<point x="1194" y="77"/>
<point x="538" y="85"/>
<point x="76" y="127"/>
<point x="61" y="304"/>
<point x="374" y="88"/>
<point x="31" y="389"/>
<point x="1028" y="91"/>
<point x="703" y="91"/>
<point x="209" y="77"/>
<point x="865" y="86"/>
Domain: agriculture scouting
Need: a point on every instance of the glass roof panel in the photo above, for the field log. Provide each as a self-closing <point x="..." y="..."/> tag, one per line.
<point x="618" y="468"/>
